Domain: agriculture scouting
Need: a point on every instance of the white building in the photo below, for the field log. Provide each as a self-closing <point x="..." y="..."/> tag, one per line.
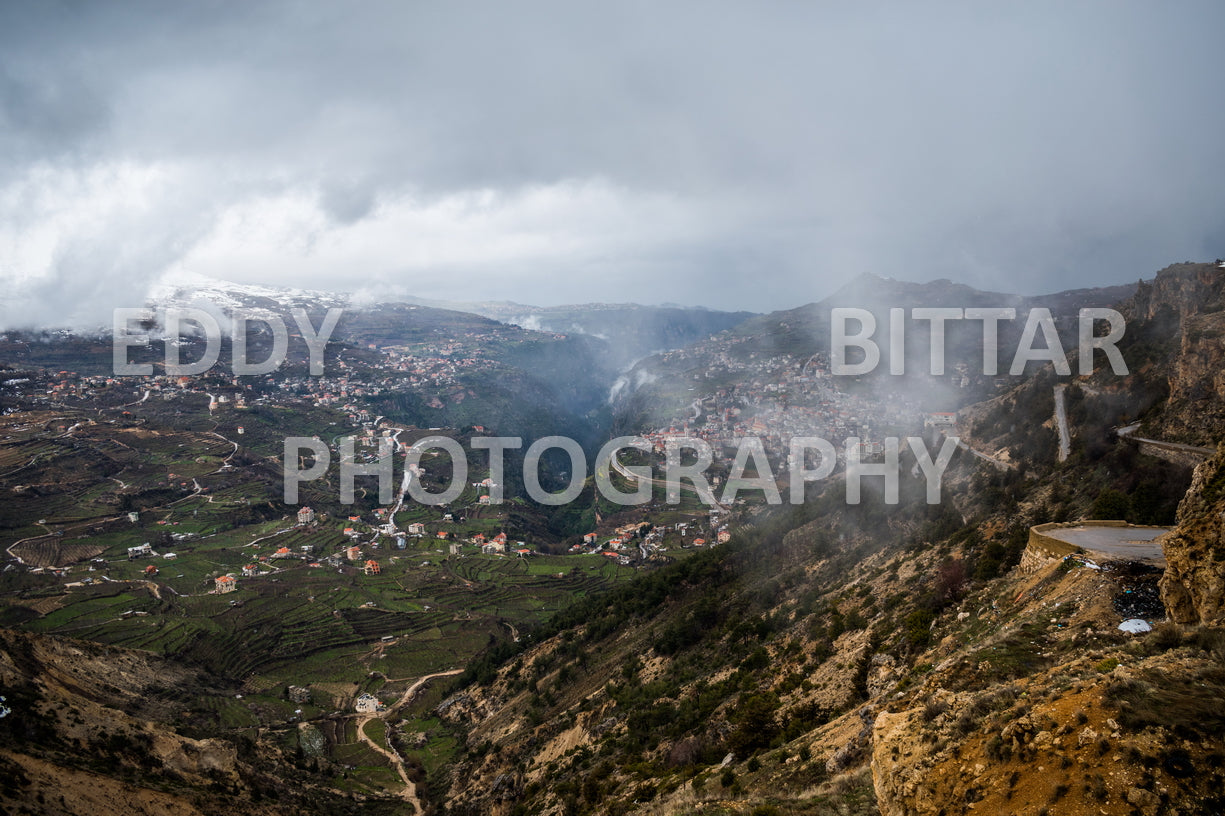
<point x="366" y="704"/>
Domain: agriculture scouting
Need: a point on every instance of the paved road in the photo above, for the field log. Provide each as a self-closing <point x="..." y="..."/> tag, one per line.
<point x="1128" y="430"/>
<point x="625" y="472"/>
<point x="1061" y="420"/>
<point x="1117" y="542"/>
<point x="997" y="462"/>
<point x="1176" y="446"/>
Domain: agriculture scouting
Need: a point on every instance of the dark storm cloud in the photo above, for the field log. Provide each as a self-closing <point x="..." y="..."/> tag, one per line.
<point x="728" y="155"/>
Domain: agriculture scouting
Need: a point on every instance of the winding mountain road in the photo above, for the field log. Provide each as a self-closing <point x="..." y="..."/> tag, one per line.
<point x="1061" y="421"/>
<point x="625" y="472"/>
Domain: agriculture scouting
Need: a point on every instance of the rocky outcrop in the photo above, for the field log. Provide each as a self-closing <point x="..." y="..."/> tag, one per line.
<point x="1193" y="587"/>
<point x="1181" y="313"/>
<point x="207" y="759"/>
<point x="900" y="763"/>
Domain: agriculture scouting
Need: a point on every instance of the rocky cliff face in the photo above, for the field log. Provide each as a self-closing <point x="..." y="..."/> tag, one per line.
<point x="1193" y="587"/>
<point x="1178" y="323"/>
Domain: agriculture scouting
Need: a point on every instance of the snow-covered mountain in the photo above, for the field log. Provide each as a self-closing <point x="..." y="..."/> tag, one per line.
<point x="191" y="289"/>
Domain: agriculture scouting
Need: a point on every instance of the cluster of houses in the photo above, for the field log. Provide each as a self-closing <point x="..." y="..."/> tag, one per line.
<point x="339" y="388"/>
<point x="644" y="539"/>
<point x="500" y="545"/>
<point x="779" y="397"/>
<point x="426" y="367"/>
<point x="439" y="364"/>
<point x="621" y="538"/>
<point x="69" y="383"/>
<point x="221" y="390"/>
<point x="626" y="545"/>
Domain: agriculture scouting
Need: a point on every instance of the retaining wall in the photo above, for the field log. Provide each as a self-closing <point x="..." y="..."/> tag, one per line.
<point x="1042" y="549"/>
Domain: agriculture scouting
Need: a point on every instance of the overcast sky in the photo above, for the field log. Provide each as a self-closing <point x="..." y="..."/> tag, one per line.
<point x="733" y="156"/>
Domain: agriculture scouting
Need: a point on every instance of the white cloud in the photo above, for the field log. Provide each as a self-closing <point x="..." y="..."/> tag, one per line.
<point x="741" y="157"/>
<point x="486" y="242"/>
<point x="75" y="242"/>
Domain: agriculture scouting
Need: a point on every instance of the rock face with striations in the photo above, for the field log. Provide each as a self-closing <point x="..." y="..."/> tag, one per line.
<point x="1193" y="587"/>
<point x="1175" y="325"/>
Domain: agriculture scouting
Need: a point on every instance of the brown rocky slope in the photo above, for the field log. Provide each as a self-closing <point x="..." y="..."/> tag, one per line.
<point x="1193" y="587"/>
<point x="85" y="730"/>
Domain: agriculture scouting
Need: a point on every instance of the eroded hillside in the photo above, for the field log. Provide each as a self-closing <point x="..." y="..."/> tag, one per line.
<point x="89" y="729"/>
<point x="910" y="660"/>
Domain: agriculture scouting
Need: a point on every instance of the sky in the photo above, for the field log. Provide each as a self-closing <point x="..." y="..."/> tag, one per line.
<point x="734" y="156"/>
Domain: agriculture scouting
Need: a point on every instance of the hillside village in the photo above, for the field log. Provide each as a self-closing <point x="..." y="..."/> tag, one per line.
<point x="434" y="368"/>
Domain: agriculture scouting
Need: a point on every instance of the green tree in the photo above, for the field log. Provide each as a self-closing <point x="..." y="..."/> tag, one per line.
<point x="756" y="725"/>
<point x="1110" y="504"/>
<point x="918" y="627"/>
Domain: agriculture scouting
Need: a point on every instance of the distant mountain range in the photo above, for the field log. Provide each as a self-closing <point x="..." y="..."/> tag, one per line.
<point x="630" y="329"/>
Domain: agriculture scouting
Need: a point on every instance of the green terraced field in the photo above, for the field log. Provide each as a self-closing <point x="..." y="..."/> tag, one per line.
<point x="299" y="622"/>
<point x="322" y="627"/>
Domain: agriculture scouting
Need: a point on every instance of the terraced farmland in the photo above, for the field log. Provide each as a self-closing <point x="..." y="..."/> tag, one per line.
<point x="290" y="624"/>
<point x="54" y="551"/>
